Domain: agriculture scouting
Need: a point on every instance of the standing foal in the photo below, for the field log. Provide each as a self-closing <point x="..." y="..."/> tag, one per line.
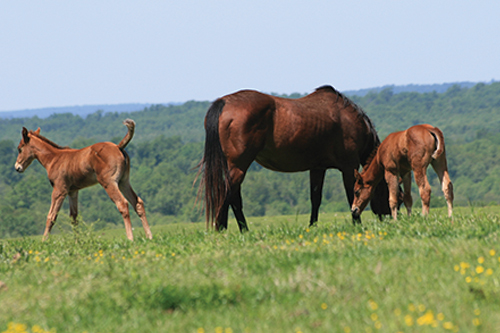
<point x="399" y="154"/>
<point x="70" y="170"/>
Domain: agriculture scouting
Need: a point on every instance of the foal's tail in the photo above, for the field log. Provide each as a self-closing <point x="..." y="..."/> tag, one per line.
<point x="213" y="165"/>
<point x="131" y="129"/>
<point x="439" y="137"/>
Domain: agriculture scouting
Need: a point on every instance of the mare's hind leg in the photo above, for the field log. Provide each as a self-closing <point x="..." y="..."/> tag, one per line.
<point x="316" y="178"/>
<point x="407" y="199"/>
<point x="233" y="199"/>
<point x="138" y="205"/>
<point x="55" y="205"/>
<point x="237" y="206"/>
<point x="73" y="206"/>
<point x="121" y="203"/>
<point x="439" y="165"/>
<point x="423" y="187"/>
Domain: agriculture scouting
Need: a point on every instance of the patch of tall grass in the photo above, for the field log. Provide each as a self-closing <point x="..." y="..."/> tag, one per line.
<point x="412" y="275"/>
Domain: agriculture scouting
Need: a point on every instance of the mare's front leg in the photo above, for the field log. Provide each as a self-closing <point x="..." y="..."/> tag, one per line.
<point x="393" y="185"/>
<point x="55" y="205"/>
<point x="407" y="199"/>
<point x="348" y="178"/>
<point x="73" y="206"/>
<point x="316" y="178"/>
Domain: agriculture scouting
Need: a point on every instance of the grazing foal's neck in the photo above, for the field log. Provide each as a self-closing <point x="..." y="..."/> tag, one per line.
<point x="373" y="172"/>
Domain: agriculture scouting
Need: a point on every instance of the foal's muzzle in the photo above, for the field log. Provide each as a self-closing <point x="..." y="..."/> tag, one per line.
<point x="356" y="213"/>
<point x="19" y="167"/>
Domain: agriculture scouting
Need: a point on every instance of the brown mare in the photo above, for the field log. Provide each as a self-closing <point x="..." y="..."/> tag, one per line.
<point x="70" y="170"/>
<point x="399" y="154"/>
<point x="317" y="132"/>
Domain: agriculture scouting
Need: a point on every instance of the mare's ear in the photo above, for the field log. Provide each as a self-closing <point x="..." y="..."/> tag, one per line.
<point x="26" y="138"/>
<point x="37" y="132"/>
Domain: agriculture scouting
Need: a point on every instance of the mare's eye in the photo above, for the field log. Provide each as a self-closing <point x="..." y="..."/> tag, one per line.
<point x="357" y="193"/>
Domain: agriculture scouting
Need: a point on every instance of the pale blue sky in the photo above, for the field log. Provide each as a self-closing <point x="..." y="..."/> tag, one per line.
<point x="65" y="53"/>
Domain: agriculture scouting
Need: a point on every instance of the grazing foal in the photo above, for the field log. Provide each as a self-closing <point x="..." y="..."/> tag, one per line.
<point x="70" y="170"/>
<point x="401" y="152"/>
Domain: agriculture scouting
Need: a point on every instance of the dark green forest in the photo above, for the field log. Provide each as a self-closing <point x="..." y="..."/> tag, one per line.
<point x="168" y="145"/>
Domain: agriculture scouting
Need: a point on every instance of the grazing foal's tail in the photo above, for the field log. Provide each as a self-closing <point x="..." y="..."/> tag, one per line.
<point x="438" y="135"/>
<point x="214" y="164"/>
<point x="131" y="129"/>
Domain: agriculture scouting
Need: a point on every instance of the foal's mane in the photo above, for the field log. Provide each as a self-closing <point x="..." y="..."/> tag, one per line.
<point x="44" y="139"/>
<point x="372" y="156"/>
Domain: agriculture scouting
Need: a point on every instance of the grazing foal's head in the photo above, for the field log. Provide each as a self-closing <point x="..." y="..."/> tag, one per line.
<point x="362" y="194"/>
<point x="26" y="151"/>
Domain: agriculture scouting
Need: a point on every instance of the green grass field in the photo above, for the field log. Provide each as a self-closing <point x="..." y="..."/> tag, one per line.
<point x="414" y="275"/>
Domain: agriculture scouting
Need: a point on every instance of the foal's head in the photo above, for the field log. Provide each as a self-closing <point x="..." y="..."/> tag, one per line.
<point x="26" y="152"/>
<point x="363" y="191"/>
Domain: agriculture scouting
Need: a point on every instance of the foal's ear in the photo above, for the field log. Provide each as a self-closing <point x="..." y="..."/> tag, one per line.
<point x="26" y="138"/>
<point x="357" y="177"/>
<point x="37" y="132"/>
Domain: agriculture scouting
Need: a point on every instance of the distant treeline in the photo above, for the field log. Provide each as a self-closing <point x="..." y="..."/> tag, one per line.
<point x="168" y="145"/>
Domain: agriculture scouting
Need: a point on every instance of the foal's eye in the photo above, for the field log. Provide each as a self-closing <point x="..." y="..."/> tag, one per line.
<point x="19" y="150"/>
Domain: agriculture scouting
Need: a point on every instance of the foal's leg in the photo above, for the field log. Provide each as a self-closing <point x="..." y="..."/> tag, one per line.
<point x="73" y="206"/>
<point x="316" y="178"/>
<point x="55" y="205"/>
<point x="423" y="187"/>
<point x="393" y="185"/>
<point x="439" y="165"/>
<point x="138" y="205"/>
<point x="121" y="203"/>
<point x="407" y="199"/>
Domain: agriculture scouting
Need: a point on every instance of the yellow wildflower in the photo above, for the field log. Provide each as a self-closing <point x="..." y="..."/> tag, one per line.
<point x="448" y="325"/>
<point x="426" y="319"/>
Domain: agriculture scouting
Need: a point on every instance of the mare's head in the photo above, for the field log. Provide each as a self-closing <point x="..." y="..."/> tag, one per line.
<point x="363" y="191"/>
<point x="26" y="151"/>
